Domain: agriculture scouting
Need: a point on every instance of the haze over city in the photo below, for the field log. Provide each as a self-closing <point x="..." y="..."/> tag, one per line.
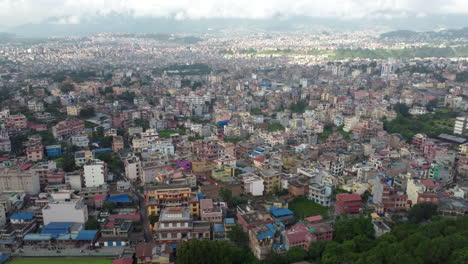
<point x="254" y="132"/>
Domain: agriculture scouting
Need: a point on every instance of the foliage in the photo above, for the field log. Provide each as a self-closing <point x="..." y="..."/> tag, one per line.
<point x="61" y="261"/>
<point x="299" y="107"/>
<point x="166" y="133"/>
<point x="67" y="87"/>
<point x="232" y="201"/>
<point x="192" y="139"/>
<point x="462" y="76"/>
<point x="208" y="251"/>
<point x="408" y="127"/>
<point x="422" y="212"/>
<point x="66" y="162"/>
<point x="238" y="236"/>
<point x="92" y="224"/>
<point x="87" y="112"/>
<point x="114" y="163"/>
<point x="108" y="206"/>
<point x="142" y="123"/>
<point x="348" y="228"/>
<point x="153" y="219"/>
<point x="303" y="208"/>
<point x="402" y="109"/>
<point x="275" y="127"/>
<point x="256" y="111"/>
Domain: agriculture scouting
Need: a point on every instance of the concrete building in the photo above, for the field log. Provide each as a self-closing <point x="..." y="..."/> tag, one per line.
<point x="67" y="128"/>
<point x="253" y="185"/>
<point x="210" y="212"/>
<point x="320" y="193"/>
<point x="14" y="181"/>
<point x="162" y="196"/>
<point x="81" y="141"/>
<point x="348" y="203"/>
<point x="95" y="173"/>
<point x="68" y="210"/>
<point x="271" y="180"/>
<point x="133" y="169"/>
<point x="461" y="125"/>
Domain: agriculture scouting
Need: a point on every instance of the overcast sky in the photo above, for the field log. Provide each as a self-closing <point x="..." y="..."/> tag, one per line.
<point x="16" y="12"/>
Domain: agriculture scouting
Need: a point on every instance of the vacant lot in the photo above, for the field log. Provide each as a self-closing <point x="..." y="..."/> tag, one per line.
<point x="61" y="261"/>
<point x="303" y="208"/>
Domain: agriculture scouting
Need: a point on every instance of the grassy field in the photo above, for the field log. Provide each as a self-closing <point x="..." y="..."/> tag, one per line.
<point x="303" y="208"/>
<point x="61" y="261"/>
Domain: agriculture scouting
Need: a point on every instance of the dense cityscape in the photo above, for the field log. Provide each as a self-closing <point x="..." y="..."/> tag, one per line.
<point x="229" y="147"/>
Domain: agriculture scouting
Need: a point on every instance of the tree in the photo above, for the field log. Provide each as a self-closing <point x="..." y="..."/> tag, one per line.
<point x="225" y="194"/>
<point x="238" y="236"/>
<point x="422" y="212"/>
<point x="295" y="254"/>
<point x="109" y="206"/>
<point x="402" y="109"/>
<point x="68" y="162"/>
<point x="153" y="219"/>
<point x="142" y="123"/>
<point x="87" y="112"/>
<point x="92" y="224"/>
<point x="209" y="252"/>
<point x="67" y="87"/>
<point x="348" y="228"/>
<point x="316" y="249"/>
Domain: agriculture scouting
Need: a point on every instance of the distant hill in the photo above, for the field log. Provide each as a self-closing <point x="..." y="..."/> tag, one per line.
<point x="427" y="36"/>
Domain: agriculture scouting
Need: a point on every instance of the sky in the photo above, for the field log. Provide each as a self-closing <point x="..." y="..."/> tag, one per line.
<point x="18" y="12"/>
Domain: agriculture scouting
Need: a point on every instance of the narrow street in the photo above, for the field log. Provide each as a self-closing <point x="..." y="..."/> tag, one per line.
<point x="144" y="217"/>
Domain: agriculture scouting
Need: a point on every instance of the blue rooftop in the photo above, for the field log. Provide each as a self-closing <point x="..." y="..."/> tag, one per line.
<point x="254" y="153"/>
<point x="54" y="225"/>
<point x="86" y="235"/>
<point x="222" y="123"/>
<point x="200" y="196"/>
<point x="229" y="221"/>
<point x="259" y="149"/>
<point x="268" y="233"/>
<point x="280" y="212"/>
<point x="122" y="198"/>
<point x="22" y="216"/>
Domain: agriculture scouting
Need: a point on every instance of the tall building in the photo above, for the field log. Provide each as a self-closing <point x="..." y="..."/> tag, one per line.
<point x="95" y="173"/>
<point x="12" y="180"/>
<point x="162" y="196"/>
<point x="461" y="125"/>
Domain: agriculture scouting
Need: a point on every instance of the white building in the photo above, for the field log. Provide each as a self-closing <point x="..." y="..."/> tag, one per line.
<point x="253" y="185"/>
<point x="133" y="169"/>
<point x="95" y="173"/>
<point x="80" y="140"/>
<point x="350" y="123"/>
<point x="70" y="210"/>
<point x="461" y="125"/>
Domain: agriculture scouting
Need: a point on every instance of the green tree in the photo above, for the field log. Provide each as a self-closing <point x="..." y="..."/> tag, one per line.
<point x="92" y="224"/>
<point x="238" y="236"/>
<point x="316" y="249"/>
<point x="109" y="206"/>
<point x="87" y="112"/>
<point x="348" y="228"/>
<point x="67" y="87"/>
<point x="208" y="252"/>
<point x="153" y="219"/>
<point x="422" y="212"/>
<point x="295" y="254"/>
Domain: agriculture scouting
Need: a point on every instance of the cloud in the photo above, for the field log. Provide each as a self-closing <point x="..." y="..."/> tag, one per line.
<point x="14" y="12"/>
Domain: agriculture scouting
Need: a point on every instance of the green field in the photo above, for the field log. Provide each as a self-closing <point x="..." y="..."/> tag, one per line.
<point x="61" y="261"/>
<point x="303" y="208"/>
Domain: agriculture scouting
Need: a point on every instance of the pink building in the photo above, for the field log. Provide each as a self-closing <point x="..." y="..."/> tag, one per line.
<point x="210" y="212"/>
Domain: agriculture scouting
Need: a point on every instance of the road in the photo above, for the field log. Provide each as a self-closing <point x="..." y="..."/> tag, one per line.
<point x="144" y="217"/>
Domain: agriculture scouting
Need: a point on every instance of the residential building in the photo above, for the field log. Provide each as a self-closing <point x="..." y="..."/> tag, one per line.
<point x="68" y="210"/>
<point x="68" y="128"/>
<point x="210" y="212"/>
<point x="133" y="169"/>
<point x="162" y="196"/>
<point x="95" y="173"/>
<point x="81" y="141"/>
<point x="461" y="125"/>
<point x="348" y="203"/>
<point x="271" y="180"/>
<point x="320" y="193"/>
<point x="152" y="253"/>
<point x="17" y="180"/>
<point x="253" y="185"/>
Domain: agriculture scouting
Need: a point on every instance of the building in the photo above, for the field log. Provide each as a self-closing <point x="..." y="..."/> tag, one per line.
<point x="299" y="235"/>
<point x="68" y="210"/>
<point x="266" y="237"/>
<point x="133" y="169"/>
<point x="81" y="141"/>
<point x="68" y="128"/>
<point x="283" y="215"/>
<point x="386" y="198"/>
<point x="320" y="193"/>
<point x="461" y="125"/>
<point x="210" y="211"/>
<point x="160" y="197"/>
<point x="35" y="153"/>
<point x="17" y="122"/>
<point x="54" y="151"/>
<point x="271" y="180"/>
<point x="348" y="203"/>
<point x="73" y="110"/>
<point x="422" y="191"/>
<point x="117" y="143"/>
<point x="174" y="226"/>
<point x="253" y="185"/>
<point x="152" y="253"/>
<point x="95" y="173"/>
<point x="17" y="180"/>
<point x="252" y="219"/>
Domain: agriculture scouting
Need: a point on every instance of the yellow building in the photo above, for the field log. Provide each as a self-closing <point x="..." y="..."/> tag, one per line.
<point x="223" y="174"/>
<point x="203" y="167"/>
<point x="73" y="110"/>
<point x="162" y="196"/>
<point x="271" y="180"/>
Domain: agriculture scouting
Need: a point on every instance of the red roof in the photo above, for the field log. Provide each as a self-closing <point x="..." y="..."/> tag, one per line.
<point x="133" y="217"/>
<point x="299" y="233"/>
<point x="110" y="224"/>
<point x="260" y="159"/>
<point x="25" y="166"/>
<point x="99" y="197"/>
<point x="348" y="197"/>
<point x="429" y="183"/>
<point x="315" y="218"/>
